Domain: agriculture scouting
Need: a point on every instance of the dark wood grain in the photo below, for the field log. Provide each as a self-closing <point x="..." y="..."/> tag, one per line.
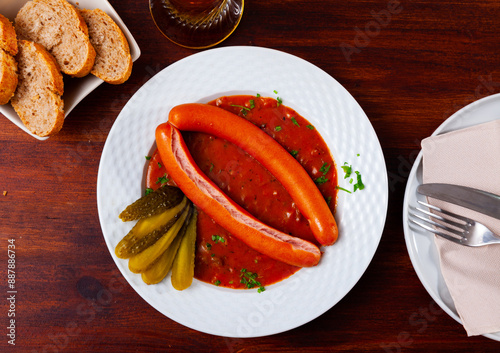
<point x="426" y="61"/>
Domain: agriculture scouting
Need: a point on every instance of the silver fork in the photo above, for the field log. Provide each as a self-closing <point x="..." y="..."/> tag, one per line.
<point x="468" y="232"/>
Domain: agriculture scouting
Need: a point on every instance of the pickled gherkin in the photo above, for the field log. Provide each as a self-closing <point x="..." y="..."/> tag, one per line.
<point x="164" y="219"/>
<point x="143" y="260"/>
<point x="183" y="266"/>
<point x="153" y="203"/>
<point x="148" y="230"/>
<point x="159" y="270"/>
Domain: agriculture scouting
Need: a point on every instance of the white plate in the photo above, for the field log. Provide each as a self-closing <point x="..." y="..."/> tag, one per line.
<point x="75" y="89"/>
<point x="423" y="253"/>
<point x="344" y="126"/>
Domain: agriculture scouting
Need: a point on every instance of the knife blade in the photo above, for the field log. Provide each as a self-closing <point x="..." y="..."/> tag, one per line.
<point x="474" y="199"/>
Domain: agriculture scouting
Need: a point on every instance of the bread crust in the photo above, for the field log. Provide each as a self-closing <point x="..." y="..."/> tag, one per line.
<point x="8" y="64"/>
<point x="49" y="23"/>
<point x="8" y="38"/>
<point x="38" y="100"/>
<point x="8" y="77"/>
<point x="98" y="23"/>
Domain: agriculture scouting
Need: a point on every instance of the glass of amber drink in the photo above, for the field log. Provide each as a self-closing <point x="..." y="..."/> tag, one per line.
<point x="196" y="24"/>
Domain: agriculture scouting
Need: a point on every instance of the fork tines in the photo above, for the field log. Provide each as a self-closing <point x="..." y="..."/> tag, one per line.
<point x="453" y="230"/>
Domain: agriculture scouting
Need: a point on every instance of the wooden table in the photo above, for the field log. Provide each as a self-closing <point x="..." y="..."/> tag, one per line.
<point x="409" y="71"/>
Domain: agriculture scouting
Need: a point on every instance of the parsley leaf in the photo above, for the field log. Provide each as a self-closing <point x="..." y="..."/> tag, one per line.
<point x="217" y="238"/>
<point x="249" y="279"/>
<point x="162" y="180"/>
<point x="321" y="180"/>
<point x="240" y="106"/>
<point x="340" y="188"/>
<point x="359" y="184"/>
<point x="347" y="170"/>
<point x="243" y="110"/>
<point x="325" y="168"/>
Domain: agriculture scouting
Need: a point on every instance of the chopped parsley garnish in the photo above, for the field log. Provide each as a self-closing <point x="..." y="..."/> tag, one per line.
<point x="148" y="191"/>
<point x="217" y="282"/>
<point x="321" y="180"/>
<point x="217" y="238"/>
<point x="347" y="170"/>
<point x="240" y="106"/>
<point x="159" y="165"/>
<point x="325" y="168"/>
<point x="252" y="103"/>
<point x="162" y="180"/>
<point x="148" y="157"/>
<point x="359" y="184"/>
<point x="278" y="99"/>
<point x="310" y="127"/>
<point x="211" y="167"/>
<point x="249" y="279"/>
<point x="294" y="153"/>
<point x="294" y="121"/>
<point x="340" y="188"/>
<point x="209" y="246"/>
<point x="277" y="128"/>
<point x="244" y="110"/>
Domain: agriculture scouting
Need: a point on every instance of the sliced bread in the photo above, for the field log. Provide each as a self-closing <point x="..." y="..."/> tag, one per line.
<point x="8" y="65"/>
<point x="38" y="100"/>
<point x="59" y="27"/>
<point x="8" y="38"/>
<point x="113" y="62"/>
<point x="8" y="77"/>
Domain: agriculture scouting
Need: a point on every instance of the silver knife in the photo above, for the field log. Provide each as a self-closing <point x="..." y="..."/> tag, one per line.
<point x="474" y="199"/>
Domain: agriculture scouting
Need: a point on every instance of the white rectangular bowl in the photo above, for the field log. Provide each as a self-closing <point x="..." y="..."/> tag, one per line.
<point x="75" y="89"/>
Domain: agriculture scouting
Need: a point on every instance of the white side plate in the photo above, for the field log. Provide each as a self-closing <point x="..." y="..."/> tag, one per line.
<point x="421" y="248"/>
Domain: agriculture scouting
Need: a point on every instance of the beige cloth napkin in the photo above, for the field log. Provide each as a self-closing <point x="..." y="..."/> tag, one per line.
<point x="469" y="157"/>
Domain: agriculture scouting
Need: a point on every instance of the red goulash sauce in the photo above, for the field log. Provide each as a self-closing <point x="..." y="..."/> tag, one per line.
<point x="220" y="257"/>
